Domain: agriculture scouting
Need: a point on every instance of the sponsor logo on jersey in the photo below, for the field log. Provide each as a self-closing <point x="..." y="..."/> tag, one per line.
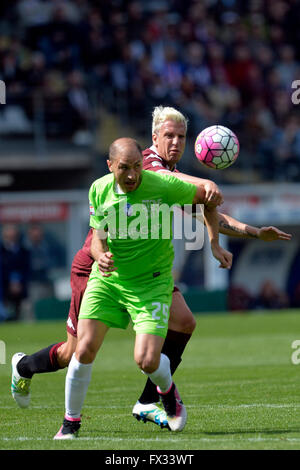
<point x="156" y="164"/>
<point x="128" y="209"/>
<point x="92" y="210"/>
<point x="70" y="324"/>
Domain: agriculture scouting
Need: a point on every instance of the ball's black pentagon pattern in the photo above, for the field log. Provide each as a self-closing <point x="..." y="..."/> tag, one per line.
<point x="220" y="158"/>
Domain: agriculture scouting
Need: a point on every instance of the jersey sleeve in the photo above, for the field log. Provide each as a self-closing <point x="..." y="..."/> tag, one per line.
<point x="153" y="163"/>
<point x="178" y="191"/>
<point x="95" y="213"/>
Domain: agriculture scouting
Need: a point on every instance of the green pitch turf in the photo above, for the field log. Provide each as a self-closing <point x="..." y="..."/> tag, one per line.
<point x="237" y="379"/>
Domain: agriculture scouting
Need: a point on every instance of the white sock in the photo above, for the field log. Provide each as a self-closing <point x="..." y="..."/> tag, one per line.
<point x="162" y="375"/>
<point x="77" y="382"/>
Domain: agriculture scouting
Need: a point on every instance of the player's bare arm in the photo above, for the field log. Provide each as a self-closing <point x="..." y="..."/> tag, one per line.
<point x="211" y="218"/>
<point x="100" y="252"/>
<point x="97" y="245"/>
<point x="213" y="195"/>
<point x="234" y="228"/>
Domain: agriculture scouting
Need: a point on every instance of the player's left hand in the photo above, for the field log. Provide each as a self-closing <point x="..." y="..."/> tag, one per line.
<point x="222" y="255"/>
<point x="269" y="234"/>
<point x="213" y="195"/>
<point x="106" y="264"/>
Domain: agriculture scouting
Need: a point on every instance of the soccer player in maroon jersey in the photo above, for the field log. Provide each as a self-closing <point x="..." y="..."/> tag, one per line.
<point x="168" y="137"/>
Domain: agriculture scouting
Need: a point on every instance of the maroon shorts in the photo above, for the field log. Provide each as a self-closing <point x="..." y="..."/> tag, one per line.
<point x="78" y="285"/>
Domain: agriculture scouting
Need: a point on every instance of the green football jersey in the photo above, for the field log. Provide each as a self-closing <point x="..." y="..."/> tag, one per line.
<point x="139" y="223"/>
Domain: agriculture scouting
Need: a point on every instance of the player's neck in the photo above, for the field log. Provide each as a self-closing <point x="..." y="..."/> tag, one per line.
<point x="171" y="166"/>
<point x="119" y="190"/>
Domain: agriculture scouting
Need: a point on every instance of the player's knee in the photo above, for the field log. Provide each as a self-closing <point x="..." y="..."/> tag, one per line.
<point x="184" y="323"/>
<point x="66" y="350"/>
<point x="64" y="355"/>
<point x="147" y="363"/>
<point x="190" y="324"/>
<point x="86" y="352"/>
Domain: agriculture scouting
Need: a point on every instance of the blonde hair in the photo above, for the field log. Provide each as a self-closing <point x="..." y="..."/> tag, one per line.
<point x="165" y="113"/>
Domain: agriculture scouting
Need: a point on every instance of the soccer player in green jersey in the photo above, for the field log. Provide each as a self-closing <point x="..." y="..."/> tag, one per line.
<point x="139" y="283"/>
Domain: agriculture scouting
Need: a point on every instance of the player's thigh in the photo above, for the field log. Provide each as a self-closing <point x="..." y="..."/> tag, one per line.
<point x="147" y="351"/>
<point x="181" y="318"/>
<point x="102" y="301"/>
<point x="149" y="307"/>
<point x="78" y="285"/>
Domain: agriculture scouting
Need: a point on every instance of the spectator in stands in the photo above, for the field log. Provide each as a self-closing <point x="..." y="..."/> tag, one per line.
<point x="46" y="255"/>
<point x="295" y="302"/>
<point x="15" y="266"/>
<point x="239" y="68"/>
<point x="287" y="67"/>
<point x="56" y="116"/>
<point x="33" y="12"/>
<point x="287" y="149"/>
<point x="213" y="59"/>
<point x="59" y="41"/>
<point x="239" y="299"/>
<point x="3" y="314"/>
<point x="79" y="106"/>
<point x="280" y="151"/>
<point x="195" y="67"/>
<point x="271" y="297"/>
<point x="41" y="262"/>
<point x="41" y="256"/>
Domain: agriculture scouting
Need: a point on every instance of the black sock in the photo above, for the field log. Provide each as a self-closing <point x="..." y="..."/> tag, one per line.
<point x="42" y="361"/>
<point x="173" y="347"/>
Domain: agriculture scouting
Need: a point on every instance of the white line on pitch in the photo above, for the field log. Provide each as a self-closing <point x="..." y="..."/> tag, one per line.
<point x="245" y="405"/>
<point x="199" y="439"/>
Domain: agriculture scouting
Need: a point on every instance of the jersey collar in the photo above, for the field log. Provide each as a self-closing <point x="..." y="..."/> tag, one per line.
<point x="154" y="150"/>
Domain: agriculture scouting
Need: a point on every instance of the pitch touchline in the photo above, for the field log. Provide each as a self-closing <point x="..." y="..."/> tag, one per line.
<point x="250" y="405"/>
<point x="198" y="439"/>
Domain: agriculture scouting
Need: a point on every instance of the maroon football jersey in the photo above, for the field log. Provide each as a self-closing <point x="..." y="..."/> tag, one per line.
<point x="153" y="162"/>
<point x="82" y="262"/>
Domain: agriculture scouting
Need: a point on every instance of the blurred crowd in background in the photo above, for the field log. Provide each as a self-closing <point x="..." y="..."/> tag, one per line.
<point x="219" y="61"/>
<point x="64" y="62"/>
<point x="28" y="259"/>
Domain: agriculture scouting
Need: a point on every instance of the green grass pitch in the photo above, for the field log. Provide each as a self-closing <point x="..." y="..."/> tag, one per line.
<point x="237" y="379"/>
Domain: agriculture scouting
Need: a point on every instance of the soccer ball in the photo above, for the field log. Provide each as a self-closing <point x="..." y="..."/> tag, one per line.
<point x="217" y="147"/>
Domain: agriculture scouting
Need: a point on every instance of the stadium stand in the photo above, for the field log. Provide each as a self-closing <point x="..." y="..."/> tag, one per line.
<point x="70" y="65"/>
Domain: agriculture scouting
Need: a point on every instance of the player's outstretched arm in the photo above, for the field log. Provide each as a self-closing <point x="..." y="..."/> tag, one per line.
<point x="222" y="255"/>
<point x="211" y="218"/>
<point x="234" y="228"/>
<point x="213" y="195"/>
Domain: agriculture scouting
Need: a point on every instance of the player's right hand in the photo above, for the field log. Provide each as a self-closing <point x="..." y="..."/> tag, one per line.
<point x="269" y="234"/>
<point x="213" y="195"/>
<point x="222" y="255"/>
<point x="106" y="264"/>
